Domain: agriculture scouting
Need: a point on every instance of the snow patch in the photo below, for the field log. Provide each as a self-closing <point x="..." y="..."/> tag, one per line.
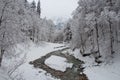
<point x="3" y="75"/>
<point x="58" y="63"/>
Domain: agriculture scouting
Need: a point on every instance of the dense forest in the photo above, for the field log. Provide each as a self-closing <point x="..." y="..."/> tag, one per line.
<point x="21" y="22"/>
<point x="95" y="27"/>
<point x="94" y="30"/>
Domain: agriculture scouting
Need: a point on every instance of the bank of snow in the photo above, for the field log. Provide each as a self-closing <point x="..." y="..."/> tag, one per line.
<point x="109" y="71"/>
<point x="3" y="75"/>
<point x="106" y="71"/>
<point x="44" y="48"/>
<point x="35" y="52"/>
<point x="58" y="63"/>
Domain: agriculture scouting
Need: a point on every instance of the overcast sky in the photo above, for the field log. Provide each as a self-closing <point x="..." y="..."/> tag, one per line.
<point x="54" y="9"/>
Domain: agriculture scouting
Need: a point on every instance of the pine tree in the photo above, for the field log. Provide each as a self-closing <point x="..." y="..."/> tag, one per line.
<point x="38" y="8"/>
<point x="33" y="5"/>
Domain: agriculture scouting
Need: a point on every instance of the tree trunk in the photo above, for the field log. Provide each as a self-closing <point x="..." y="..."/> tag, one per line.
<point x="33" y="34"/>
<point x="82" y="45"/>
<point x="1" y="56"/>
<point x="0" y="22"/>
<point x="97" y="37"/>
<point x="2" y="13"/>
<point x="37" y="36"/>
<point x="2" y="50"/>
<point x="111" y="37"/>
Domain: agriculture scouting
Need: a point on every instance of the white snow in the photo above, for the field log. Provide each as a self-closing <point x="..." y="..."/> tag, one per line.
<point x="109" y="71"/>
<point x="106" y="71"/>
<point x="31" y="73"/>
<point x="58" y="63"/>
<point x="35" y="52"/>
<point x="3" y="75"/>
<point x="89" y="61"/>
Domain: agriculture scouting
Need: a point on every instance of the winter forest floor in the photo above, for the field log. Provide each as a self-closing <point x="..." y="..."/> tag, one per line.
<point x="35" y="67"/>
<point x="52" y="61"/>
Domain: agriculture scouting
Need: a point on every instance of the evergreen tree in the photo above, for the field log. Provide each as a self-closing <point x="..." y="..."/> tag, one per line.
<point x="38" y="8"/>
<point x="33" y="5"/>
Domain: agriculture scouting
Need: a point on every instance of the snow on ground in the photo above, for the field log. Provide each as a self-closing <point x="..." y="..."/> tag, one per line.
<point x="89" y="60"/>
<point x="105" y="71"/>
<point x="58" y="63"/>
<point x="109" y="71"/>
<point x="35" y="52"/>
<point x="3" y="75"/>
<point x="31" y="73"/>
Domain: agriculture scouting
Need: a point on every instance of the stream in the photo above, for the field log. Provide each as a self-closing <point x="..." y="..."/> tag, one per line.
<point x="74" y="73"/>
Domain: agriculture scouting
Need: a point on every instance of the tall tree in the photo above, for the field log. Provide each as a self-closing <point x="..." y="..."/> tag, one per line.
<point x="33" y="5"/>
<point x="10" y="26"/>
<point x="38" y="8"/>
<point x="96" y="22"/>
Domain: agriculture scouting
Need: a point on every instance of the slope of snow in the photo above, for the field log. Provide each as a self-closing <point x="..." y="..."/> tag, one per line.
<point x="31" y="73"/>
<point x="109" y="71"/>
<point x="58" y="63"/>
<point x="3" y="75"/>
<point x="106" y="71"/>
<point x="35" y="52"/>
<point x="89" y="60"/>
